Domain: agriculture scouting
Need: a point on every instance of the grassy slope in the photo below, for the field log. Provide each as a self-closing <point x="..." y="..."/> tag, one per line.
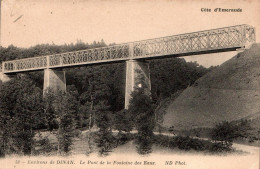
<point x="230" y="92"/>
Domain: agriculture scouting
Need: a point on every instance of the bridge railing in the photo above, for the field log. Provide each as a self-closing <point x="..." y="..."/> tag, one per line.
<point x="110" y="53"/>
<point x="89" y="56"/>
<point x="222" y="38"/>
<point x="25" y="64"/>
<point x="227" y="37"/>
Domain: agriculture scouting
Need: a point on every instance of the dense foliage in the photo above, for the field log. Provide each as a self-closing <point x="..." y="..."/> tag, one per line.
<point x="226" y="132"/>
<point x="95" y="96"/>
<point x="21" y="112"/>
<point x="171" y="75"/>
<point x="167" y="75"/>
<point x="142" y="110"/>
<point x="105" y="138"/>
<point x="189" y="143"/>
<point x="123" y="121"/>
<point x="65" y="106"/>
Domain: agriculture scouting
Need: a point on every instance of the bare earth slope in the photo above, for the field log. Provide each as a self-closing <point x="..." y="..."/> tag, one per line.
<point x="229" y="92"/>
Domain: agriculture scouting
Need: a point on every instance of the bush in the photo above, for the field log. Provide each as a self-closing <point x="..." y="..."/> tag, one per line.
<point x="144" y="142"/>
<point x="123" y="121"/>
<point x="85" y="123"/>
<point x="251" y="139"/>
<point x="123" y="138"/>
<point x="143" y="116"/>
<point x="66" y="133"/>
<point x="53" y="124"/>
<point x="224" y="132"/>
<point x="44" y="146"/>
<point x="105" y="140"/>
<point x="2" y="152"/>
<point x="77" y="133"/>
<point x="188" y="143"/>
<point x="23" y="141"/>
<point x="163" y="141"/>
<point x="218" y="147"/>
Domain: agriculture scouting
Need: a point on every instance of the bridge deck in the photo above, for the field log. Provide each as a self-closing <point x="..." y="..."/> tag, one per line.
<point x="208" y="41"/>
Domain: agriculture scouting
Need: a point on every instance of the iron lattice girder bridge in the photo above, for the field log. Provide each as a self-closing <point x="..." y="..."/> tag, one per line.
<point x="208" y="41"/>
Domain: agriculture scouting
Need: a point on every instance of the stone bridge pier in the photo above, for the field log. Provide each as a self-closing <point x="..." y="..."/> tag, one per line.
<point x="223" y="39"/>
<point x="137" y="75"/>
<point x="4" y="78"/>
<point x="54" y="80"/>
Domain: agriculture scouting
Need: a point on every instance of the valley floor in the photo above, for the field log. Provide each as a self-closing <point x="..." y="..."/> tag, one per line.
<point x="125" y="156"/>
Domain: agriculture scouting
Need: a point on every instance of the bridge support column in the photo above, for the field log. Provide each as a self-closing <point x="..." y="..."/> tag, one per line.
<point x="4" y="78"/>
<point x="54" y="80"/>
<point x="136" y="72"/>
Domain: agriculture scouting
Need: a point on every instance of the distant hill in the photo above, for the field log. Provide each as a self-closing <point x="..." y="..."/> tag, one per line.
<point x="229" y="92"/>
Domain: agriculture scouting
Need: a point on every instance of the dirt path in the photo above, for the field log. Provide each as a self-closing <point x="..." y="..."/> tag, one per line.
<point x="246" y="148"/>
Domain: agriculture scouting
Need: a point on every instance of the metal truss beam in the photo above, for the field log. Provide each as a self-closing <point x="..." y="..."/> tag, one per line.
<point x="215" y="40"/>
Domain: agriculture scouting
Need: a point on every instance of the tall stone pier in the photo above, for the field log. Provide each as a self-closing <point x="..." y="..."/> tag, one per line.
<point x="4" y="78"/>
<point x="137" y="72"/>
<point x="54" y="80"/>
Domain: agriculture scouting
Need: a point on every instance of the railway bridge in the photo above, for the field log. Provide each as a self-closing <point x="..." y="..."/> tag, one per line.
<point x="135" y="54"/>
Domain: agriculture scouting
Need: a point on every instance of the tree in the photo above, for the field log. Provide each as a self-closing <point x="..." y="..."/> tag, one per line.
<point x="227" y="132"/>
<point x="142" y="111"/>
<point x="123" y="121"/>
<point x="224" y="132"/>
<point x="106" y="81"/>
<point x="21" y="111"/>
<point x="66" y="109"/>
<point x="105" y="138"/>
<point x="49" y="110"/>
<point x="243" y="129"/>
<point x="62" y="107"/>
<point x="171" y="75"/>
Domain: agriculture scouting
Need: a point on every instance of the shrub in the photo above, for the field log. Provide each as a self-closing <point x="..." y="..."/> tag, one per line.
<point x="2" y="152"/>
<point x="123" y="121"/>
<point x="142" y="111"/>
<point x="218" y="147"/>
<point x="43" y="145"/>
<point x="162" y="140"/>
<point x="144" y="143"/>
<point x="104" y="139"/>
<point x="77" y="133"/>
<point x="188" y="143"/>
<point x="23" y="141"/>
<point x="183" y="143"/>
<point x="53" y="124"/>
<point x="224" y="132"/>
<point x="66" y="133"/>
<point x="123" y="138"/>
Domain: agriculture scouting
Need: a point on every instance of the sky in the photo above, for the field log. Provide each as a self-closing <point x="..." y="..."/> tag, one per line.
<point x="27" y="23"/>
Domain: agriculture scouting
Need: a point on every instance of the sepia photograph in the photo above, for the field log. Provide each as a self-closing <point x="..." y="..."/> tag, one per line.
<point x="169" y="84"/>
